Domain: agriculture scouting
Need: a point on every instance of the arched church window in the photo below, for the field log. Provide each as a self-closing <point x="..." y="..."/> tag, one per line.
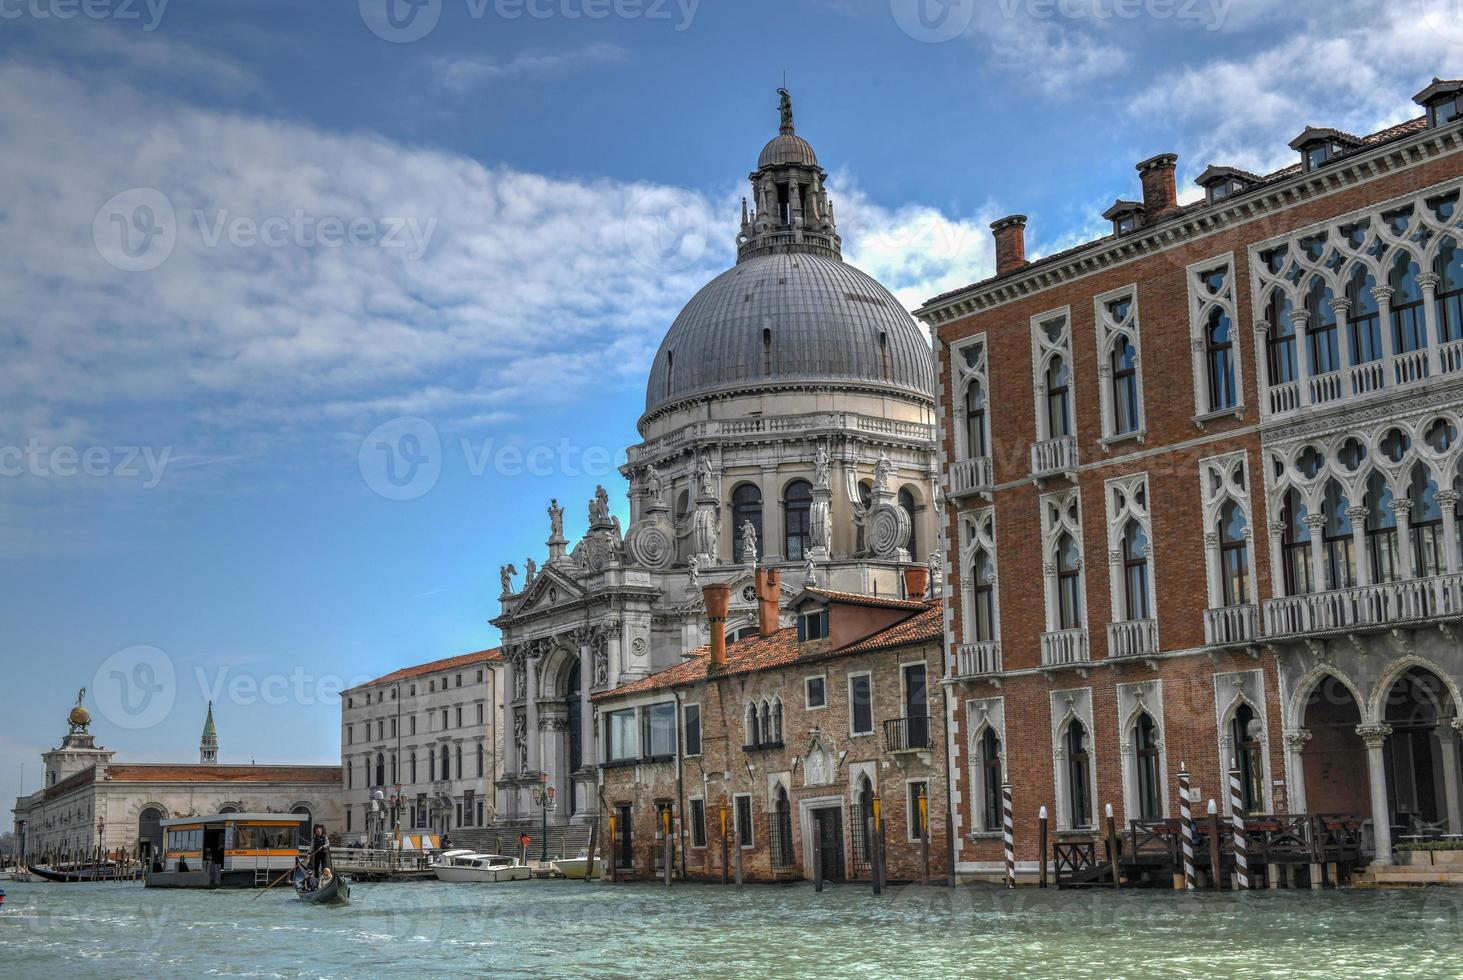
<point x="906" y="504"/>
<point x="797" y="503"/>
<point x="746" y="506"/>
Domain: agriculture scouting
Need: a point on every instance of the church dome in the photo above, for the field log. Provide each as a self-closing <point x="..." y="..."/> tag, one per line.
<point x="790" y="318"/>
<point x="787" y="148"/>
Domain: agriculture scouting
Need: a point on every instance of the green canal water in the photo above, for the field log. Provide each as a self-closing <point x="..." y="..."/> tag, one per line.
<point x="574" y="929"/>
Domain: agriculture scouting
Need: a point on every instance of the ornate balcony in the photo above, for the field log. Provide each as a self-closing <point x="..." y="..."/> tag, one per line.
<point x="977" y="660"/>
<point x="907" y="734"/>
<point x="1132" y="638"/>
<point x="1232" y="626"/>
<point x="1365" y="608"/>
<point x="970" y="476"/>
<point x="1064" y="648"/>
<point x="1054" y="457"/>
<point x="1405" y="370"/>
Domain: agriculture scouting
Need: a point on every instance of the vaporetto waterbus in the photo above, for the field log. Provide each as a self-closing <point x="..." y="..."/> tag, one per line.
<point x="229" y="850"/>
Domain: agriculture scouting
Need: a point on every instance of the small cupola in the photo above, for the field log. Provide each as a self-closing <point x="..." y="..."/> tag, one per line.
<point x="1126" y="216"/>
<point x="1221" y="183"/>
<point x="1318" y="147"/>
<point x="1443" y="100"/>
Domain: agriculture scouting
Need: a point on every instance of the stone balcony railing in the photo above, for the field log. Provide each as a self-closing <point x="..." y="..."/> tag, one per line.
<point x="974" y="660"/>
<point x="1132" y="638"/>
<point x="1227" y="626"/>
<point x="1064" y="648"/>
<point x="1054" y="457"/>
<point x="1367" y="607"/>
<point x="970" y="476"/>
<point x="742" y="428"/>
<point x="1407" y="369"/>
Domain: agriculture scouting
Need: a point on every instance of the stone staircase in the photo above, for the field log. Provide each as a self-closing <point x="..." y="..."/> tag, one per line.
<point x="502" y="838"/>
<point x="1415" y="870"/>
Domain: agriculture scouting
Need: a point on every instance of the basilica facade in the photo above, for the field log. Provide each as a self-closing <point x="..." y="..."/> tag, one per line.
<point x="789" y="423"/>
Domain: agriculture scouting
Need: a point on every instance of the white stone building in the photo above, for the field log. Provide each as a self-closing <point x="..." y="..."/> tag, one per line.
<point x="789" y="422"/>
<point x="421" y="747"/>
<point x="89" y="800"/>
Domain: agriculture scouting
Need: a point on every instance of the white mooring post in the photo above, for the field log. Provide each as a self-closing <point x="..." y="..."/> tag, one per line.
<point x="1008" y="835"/>
<point x="1186" y="821"/>
<point x="1237" y="819"/>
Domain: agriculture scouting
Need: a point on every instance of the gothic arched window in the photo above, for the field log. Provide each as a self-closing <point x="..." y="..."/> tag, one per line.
<point x="1219" y="358"/>
<point x="1295" y="545"/>
<point x="1136" y="601"/>
<point x="1409" y="332"/>
<point x="380" y="769"/>
<point x="797" y="503"/>
<point x="982" y="614"/>
<point x="975" y="430"/>
<point x="990" y="781"/>
<point x="1336" y="540"/>
<point x="1280" y="344"/>
<point x="1149" y="781"/>
<point x="1364" y="319"/>
<point x="746" y="506"/>
<point x="1124" y="364"/>
<point x="1069" y="584"/>
<point x="1078" y="775"/>
<point x="1245" y="737"/>
<point x="1449" y="295"/>
<point x="1425" y="525"/>
<point x="1321" y="339"/>
<point x="1058" y="399"/>
<point x="1381" y="531"/>
<point x="1234" y="555"/>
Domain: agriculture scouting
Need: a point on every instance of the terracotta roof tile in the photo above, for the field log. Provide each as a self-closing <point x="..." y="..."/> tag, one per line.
<point x="879" y="601"/>
<point x="757" y="653"/>
<point x="168" y="773"/>
<point x="465" y="660"/>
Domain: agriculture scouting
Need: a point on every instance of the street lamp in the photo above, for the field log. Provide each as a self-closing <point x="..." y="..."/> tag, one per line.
<point x="543" y="798"/>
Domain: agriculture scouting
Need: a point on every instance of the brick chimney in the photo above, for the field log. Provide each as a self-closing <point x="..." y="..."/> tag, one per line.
<point x="718" y="600"/>
<point x="916" y="581"/>
<point x="1160" y="186"/>
<point x="769" y="594"/>
<point x="1010" y="243"/>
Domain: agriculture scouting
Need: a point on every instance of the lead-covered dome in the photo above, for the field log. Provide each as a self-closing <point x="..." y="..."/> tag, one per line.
<point x="787" y="148"/>
<point x="788" y="319"/>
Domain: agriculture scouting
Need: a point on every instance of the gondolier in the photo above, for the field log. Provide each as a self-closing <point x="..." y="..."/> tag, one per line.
<point x="319" y="852"/>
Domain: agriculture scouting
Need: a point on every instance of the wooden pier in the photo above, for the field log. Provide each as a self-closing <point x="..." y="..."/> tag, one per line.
<point x="1282" y="851"/>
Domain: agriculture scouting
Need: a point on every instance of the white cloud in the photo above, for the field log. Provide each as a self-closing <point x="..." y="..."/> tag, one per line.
<point x="463" y="75"/>
<point x="520" y="294"/>
<point x="1349" y="65"/>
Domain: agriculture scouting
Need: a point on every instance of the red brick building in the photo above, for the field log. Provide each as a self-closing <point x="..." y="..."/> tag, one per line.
<point x="1205" y="484"/>
<point x="792" y="731"/>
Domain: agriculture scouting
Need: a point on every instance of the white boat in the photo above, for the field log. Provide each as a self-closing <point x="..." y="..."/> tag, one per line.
<point x="461" y="867"/>
<point x="578" y="867"/>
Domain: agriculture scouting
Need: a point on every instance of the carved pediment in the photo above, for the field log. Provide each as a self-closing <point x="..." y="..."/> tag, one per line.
<point x="550" y="588"/>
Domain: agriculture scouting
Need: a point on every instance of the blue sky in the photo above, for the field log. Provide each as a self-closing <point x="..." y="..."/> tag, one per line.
<point x="245" y="244"/>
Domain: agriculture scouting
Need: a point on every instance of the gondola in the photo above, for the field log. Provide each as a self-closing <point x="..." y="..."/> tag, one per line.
<point x="75" y="873"/>
<point x="332" y="890"/>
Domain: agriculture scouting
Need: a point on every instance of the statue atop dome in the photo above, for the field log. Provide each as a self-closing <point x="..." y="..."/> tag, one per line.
<point x="785" y="109"/>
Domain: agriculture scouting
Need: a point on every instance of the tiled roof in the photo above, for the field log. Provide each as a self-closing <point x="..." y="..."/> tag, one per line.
<point x="406" y="673"/>
<point x="859" y="599"/>
<point x="167" y="773"/>
<point x="1388" y="135"/>
<point x="757" y="653"/>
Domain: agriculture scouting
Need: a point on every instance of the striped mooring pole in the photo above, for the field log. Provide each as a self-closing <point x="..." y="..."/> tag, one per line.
<point x="1008" y="835"/>
<point x="1237" y="821"/>
<point x="1186" y="819"/>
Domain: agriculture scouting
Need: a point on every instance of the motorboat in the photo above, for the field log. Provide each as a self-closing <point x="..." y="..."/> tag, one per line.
<point x="578" y="867"/>
<point x="471" y="867"/>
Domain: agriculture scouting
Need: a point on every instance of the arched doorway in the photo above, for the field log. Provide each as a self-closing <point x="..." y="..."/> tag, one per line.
<point x="1421" y="753"/>
<point x="574" y="711"/>
<point x="149" y="834"/>
<point x="307" y="826"/>
<point x="1333" y="761"/>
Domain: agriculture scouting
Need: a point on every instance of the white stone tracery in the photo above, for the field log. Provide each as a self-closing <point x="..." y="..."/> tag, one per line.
<point x="1061" y="516"/>
<point x="1116" y="316"/>
<point x="1356" y="258"/>
<point x="1127" y="501"/>
<point x="1223" y="480"/>
<point x="1051" y="340"/>
<point x="1205" y="301"/>
<point x="985" y="715"/>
